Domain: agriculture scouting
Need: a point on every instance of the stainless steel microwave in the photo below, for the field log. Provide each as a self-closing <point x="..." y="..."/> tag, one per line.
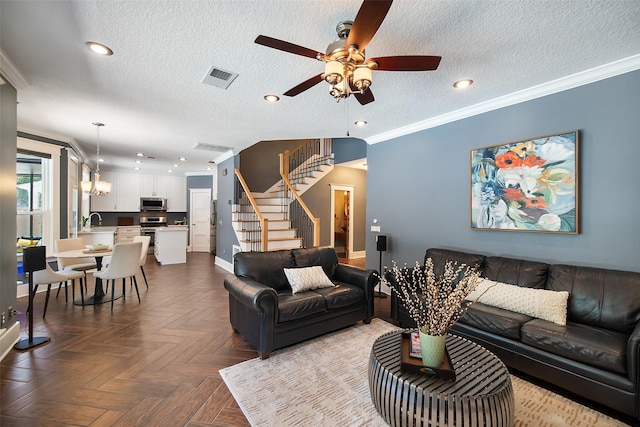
<point x="153" y="204"/>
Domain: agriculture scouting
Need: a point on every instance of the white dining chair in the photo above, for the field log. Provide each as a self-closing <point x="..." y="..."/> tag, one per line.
<point x="76" y="264"/>
<point x="125" y="263"/>
<point x="72" y="275"/>
<point x="146" y="240"/>
<point x="48" y="276"/>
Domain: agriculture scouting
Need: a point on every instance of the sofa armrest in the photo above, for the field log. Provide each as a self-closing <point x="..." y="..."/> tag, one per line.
<point x="252" y="294"/>
<point x="362" y="277"/>
<point x="633" y="356"/>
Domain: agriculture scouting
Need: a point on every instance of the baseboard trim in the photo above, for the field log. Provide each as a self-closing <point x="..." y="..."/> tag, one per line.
<point x="224" y="264"/>
<point x="8" y="339"/>
<point x="358" y="254"/>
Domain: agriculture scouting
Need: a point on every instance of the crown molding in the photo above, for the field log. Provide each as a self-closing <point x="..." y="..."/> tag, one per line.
<point x="221" y="158"/>
<point x="602" y="72"/>
<point x="11" y="73"/>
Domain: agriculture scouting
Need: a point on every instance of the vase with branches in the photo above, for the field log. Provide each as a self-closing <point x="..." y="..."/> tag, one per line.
<point x="434" y="301"/>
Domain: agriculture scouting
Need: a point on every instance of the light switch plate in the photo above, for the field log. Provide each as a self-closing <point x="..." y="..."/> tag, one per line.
<point x="375" y="228"/>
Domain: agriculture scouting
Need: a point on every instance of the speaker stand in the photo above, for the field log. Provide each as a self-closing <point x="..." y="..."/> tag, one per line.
<point x="27" y="343"/>
<point x="379" y="293"/>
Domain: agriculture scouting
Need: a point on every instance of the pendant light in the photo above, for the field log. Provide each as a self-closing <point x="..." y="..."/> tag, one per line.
<point x="97" y="187"/>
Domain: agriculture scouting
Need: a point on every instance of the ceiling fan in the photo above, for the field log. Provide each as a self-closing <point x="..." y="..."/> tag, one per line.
<point x="346" y="68"/>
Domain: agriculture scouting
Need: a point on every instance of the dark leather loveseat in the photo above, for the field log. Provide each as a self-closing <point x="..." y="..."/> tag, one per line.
<point x="263" y="309"/>
<point x="595" y="355"/>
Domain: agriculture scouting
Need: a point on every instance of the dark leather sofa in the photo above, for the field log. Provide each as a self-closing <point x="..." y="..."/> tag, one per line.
<point x="263" y="309"/>
<point x="595" y="355"/>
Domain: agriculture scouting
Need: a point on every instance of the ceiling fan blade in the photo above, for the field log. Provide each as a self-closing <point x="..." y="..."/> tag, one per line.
<point x="307" y="84"/>
<point x="367" y="22"/>
<point x="287" y="47"/>
<point x="406" y="63"/>
<point x="363" y="98"/>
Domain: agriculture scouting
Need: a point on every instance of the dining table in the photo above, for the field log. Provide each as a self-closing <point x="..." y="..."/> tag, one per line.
<point x="99" y="296"/>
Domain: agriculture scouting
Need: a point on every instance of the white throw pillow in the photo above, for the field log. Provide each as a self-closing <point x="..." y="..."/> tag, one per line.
<point x="539" y="303"/>
<point x="307" y="278"/>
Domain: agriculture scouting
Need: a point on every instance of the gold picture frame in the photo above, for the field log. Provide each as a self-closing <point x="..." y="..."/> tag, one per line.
<point x="528" y="185"/>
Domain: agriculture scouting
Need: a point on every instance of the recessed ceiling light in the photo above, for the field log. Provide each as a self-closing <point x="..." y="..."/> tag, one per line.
<point x="182" y="159"/>
<point x="175" y="165"/>
<point x="140" y="154"/>
<point x="99" y="48"/>
<point x="209" y="169"/>
<point x="136" y="168"/>
<point x="272" y="98"/>
<point x="138" y="161"/>
<point x="170" y="171"/>
<point x="101" y="160"/>
<point x="360" y="122"/>
<point x="461" y="84"/>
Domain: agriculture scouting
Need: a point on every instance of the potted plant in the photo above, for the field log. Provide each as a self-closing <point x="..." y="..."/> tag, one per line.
<point x="434" y="302"/>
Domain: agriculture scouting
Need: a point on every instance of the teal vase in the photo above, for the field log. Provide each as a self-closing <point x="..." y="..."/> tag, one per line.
<point x="432" y="347"/>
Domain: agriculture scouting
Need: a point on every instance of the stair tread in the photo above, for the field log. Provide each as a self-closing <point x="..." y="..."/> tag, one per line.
<point x="278" y="239"/>
<point x="257" y="220"/>
<point x="270" y="230"/>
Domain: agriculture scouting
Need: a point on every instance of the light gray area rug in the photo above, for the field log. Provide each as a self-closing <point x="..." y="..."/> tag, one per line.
<point x="323" y="382"/>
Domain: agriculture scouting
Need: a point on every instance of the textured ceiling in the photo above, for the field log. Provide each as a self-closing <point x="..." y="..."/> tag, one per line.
<point x="150" y="96"/>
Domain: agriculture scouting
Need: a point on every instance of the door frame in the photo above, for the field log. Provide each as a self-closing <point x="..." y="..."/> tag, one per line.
<point x="193" y="191"/>
<point x="351" y="189"/>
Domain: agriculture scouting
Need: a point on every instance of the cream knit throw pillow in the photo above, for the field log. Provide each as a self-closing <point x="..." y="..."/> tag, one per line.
<point x="539" y="303"/>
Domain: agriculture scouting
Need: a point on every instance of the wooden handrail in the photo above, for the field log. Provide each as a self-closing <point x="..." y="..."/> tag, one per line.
<point x="284" y="173"/>
<point x="264" y="222"/>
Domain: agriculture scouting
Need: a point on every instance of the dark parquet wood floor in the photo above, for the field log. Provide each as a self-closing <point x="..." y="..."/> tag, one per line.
<point x="149" y="364"/>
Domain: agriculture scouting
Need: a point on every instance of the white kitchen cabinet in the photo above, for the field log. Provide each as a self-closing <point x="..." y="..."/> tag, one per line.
<point x="171" y="245"/>
<point x="124" y="195"/>
<point x="98" y="235"/>
<point x="126" y="234"/>
<point x="127" y="188"/>
<point x="154" y="185"/>
<point x="128" y="194"/>
<point x="177" y="194"/>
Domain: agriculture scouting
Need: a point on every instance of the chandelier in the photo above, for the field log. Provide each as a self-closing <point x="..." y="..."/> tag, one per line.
<point x="96" y="187"/>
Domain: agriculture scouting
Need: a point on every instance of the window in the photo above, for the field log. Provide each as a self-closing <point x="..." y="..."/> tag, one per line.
<point x="32" y="202"/>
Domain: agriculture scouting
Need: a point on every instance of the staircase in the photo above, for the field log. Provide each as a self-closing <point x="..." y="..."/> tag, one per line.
<point x="284" y="216"/>
<point x="280" y="234"/>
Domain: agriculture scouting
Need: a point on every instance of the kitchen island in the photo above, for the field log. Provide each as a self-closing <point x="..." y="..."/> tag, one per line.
<point x="171" y="244"/>
<point x="98" y="235"/>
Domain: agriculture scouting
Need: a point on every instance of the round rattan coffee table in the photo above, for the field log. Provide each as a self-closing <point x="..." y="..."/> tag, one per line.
<point x="481" y="395"/>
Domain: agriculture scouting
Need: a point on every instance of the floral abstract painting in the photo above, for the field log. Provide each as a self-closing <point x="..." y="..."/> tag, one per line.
<point x="527" y="185"/>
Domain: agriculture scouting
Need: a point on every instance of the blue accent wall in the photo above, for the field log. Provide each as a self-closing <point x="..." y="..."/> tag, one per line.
<point x="348" y="149"/>
<point x="418" y="185"/>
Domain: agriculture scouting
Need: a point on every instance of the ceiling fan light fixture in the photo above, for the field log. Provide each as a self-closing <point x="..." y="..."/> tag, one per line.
<point x="271" y="98"/>
<point x="339" y="90"/>
<point x="333" y="71"/>
<point x="362" y="78"/>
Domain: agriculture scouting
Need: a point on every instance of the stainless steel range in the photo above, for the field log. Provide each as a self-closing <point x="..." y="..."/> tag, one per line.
<point x="149" y="225"/>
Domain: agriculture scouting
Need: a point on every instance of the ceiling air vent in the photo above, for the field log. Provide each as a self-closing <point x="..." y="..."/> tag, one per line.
<point x="211" y="147"/>
<point x="218" y="77"/>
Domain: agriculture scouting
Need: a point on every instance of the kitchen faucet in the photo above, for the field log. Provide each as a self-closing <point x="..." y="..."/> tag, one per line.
<point x="99" y="218"/>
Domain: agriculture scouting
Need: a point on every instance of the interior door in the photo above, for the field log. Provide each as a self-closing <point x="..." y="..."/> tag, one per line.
<point x="199" y="215"/>
<point x="342" y="197"/>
